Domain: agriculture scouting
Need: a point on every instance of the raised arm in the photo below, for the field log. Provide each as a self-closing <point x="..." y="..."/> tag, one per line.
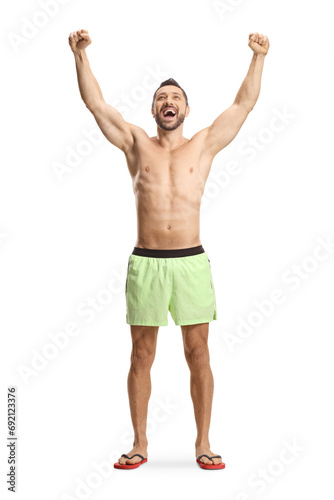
<point x="224" y="129"/>
<point x="110" y="121"/>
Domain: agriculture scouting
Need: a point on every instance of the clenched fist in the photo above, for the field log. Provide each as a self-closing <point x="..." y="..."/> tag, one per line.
<point x="258" y="43"/>
<point x="79" y="40"/>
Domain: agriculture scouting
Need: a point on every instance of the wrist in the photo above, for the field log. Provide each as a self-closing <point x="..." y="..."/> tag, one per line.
<point x="259" y="55"/>
<point x="80" y="55"/>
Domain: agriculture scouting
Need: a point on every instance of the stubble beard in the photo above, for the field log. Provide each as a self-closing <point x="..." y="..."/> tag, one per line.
<point x="167" y="125"/>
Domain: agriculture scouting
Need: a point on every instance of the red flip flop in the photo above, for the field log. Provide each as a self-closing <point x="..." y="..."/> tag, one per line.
<point x="117" y="465"/>
<point x="210" y="466"/>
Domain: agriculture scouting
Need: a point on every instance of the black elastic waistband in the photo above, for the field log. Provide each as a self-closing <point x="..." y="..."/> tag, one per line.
<point x="174" y="252"/>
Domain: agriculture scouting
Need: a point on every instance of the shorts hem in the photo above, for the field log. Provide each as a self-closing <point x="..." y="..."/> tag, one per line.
<point x="146" y="323"/>
<point x="194" y="321"/>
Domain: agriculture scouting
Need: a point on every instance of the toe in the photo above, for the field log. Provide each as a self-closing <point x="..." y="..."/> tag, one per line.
<point x="217" y="461"/>
<point x="205" y="460"/>
<point x="133" y="460"/>
<point x="129" y="461"/>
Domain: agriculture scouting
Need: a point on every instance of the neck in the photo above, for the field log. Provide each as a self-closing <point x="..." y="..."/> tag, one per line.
<point x="170" y="139"/>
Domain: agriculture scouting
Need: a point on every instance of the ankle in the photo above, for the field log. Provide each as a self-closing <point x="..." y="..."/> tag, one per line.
<point x="203" y="443"/>
<point x="140" y="443"/>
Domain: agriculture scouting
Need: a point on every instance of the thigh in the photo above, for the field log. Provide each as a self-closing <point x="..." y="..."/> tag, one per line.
<point x="193" y="298"/>
<point x="147" y="291"/>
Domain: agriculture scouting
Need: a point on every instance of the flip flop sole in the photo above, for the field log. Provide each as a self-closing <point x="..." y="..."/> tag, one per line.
<point x="210" y="466"/>
<point x="117" y="465"/>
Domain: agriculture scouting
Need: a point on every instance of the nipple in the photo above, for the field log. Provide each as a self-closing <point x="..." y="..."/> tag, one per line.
<point x="147" y="168"/>
<point x="191" y="169"/>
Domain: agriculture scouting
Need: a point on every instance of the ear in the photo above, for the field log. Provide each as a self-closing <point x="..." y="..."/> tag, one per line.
<point x="187" y="110"/>
<point x="152" y="111"/>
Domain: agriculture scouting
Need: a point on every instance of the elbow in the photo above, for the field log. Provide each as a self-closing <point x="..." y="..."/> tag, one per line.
<point x="247" y="105"/>
<point x="250" y="106"/>
<point x="94" y="106"/>
<point x="89" y="106"/>
<point x="251" y="103"/>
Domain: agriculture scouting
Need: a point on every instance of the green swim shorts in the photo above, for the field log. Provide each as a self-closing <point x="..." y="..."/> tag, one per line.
<point x="175" y="280"/>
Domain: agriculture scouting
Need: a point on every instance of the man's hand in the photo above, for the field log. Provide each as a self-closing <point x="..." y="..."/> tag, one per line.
<point x="79" y="40"/>
<point x="258" y="43"/>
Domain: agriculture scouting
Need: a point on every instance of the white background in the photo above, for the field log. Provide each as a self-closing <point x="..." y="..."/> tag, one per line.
<point x="66" y="239"/>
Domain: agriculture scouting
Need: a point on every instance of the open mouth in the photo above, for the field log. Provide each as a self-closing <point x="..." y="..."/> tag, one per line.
<point x="169" y="113"/>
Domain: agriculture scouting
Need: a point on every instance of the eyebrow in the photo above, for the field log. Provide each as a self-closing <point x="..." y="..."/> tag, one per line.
<point x="162" y="93"/>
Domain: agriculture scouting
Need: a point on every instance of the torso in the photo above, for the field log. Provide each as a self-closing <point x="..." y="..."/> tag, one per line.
<point x="168" y="187"/>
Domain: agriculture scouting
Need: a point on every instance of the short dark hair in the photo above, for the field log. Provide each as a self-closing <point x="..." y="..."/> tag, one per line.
<point x="170" y="81"/>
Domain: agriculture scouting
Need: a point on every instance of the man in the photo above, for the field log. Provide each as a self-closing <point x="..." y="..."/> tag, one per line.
<point x="168" y="269"/>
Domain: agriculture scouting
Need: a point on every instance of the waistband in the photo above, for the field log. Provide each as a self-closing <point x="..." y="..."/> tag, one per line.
<point x="174" y="252"/>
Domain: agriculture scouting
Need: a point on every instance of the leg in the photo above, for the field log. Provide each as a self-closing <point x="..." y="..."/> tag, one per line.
<point x="195" y="343"/>
<point x="144" y="341"/>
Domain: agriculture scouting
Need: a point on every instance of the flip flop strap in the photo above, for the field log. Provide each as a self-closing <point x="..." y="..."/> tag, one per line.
<point x="216" y="456"/>
<point x="136" y="454"/>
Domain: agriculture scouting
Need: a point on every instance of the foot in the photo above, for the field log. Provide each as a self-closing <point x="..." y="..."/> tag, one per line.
<point x="200" y="450"/>
<point x="142" y="450"/>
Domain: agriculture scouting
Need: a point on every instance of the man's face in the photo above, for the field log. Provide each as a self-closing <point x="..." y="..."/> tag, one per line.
<point x="170" y="107"/>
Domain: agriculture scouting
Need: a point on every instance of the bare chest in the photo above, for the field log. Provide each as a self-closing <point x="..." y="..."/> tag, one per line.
<point x="178" y="172"/>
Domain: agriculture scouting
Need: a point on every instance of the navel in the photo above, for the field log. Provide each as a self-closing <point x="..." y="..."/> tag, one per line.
<point x="147" y="168"/>
<point x="169" y="227"/>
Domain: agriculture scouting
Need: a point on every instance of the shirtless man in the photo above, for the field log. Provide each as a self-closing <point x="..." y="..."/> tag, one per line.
<point x="168" y="268"/>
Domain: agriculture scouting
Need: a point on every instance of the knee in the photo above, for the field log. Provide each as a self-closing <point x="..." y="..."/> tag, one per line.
<point x="142" y="356"/>
<point x="198" y="358"/>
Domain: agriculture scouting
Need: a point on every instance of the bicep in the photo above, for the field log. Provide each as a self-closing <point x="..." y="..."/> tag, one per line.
<point x="112" y="125"/>
<point x="224" y="129"/>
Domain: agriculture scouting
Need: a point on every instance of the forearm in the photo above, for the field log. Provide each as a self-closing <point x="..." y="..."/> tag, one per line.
<point x="88" y="86"/>
<point x="250" y="88"/>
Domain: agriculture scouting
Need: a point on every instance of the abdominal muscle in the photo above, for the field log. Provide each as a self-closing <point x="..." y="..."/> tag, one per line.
<point x="168" y="217"/>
